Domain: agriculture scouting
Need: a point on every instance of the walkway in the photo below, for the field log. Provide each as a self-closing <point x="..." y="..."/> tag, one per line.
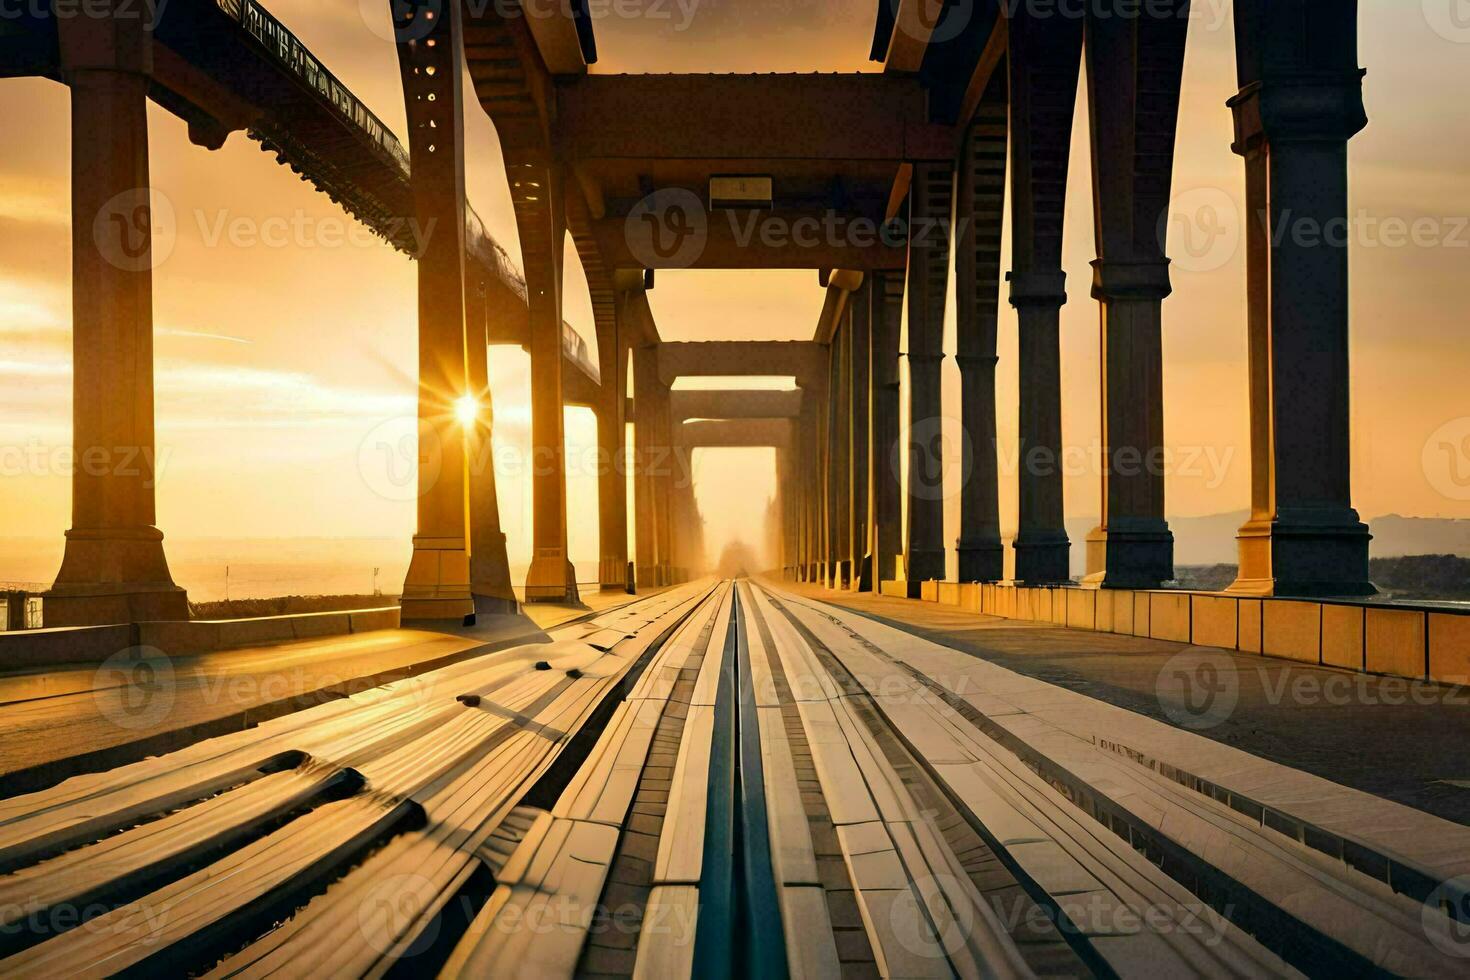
<point x="1388" y="736"/>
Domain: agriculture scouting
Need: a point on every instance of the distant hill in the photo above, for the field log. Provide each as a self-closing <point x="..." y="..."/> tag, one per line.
<point x="1210" y="540"/>
<point x="1420" y="577"/>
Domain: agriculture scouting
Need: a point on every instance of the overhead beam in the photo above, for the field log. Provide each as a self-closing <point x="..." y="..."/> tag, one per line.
<point x="735" y="434"/>
<point x="854" y="117"/>
<point x="757" y="240"/>
<point x="804" y="360"/>
<point x="743" y="404"/>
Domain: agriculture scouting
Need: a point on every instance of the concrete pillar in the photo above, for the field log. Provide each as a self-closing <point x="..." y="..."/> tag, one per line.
<point x="113" y="569"/>
<point x="612" y="438"/>
<point x="832" y="520"/>
<point x="438" y="582"/>
<point x="979" y="214"/>
<point x="811" y="484"/>
<point x="1131" y="63"/>
<point x="1300" y="102"/>
<point x="841" y="466"/>
<point x="688" y="556"/>
<point x="788" y="489"/>
<point x="930" y="196"/>
<point x="885" y="508"/>
<point x="1043" y="65"/>
<point x="665" y="478"/>
<point x="537" y="189"/>
<point x="860" y="302"/>
<point x="645" y="442"/>
<point x="490" y="583"/>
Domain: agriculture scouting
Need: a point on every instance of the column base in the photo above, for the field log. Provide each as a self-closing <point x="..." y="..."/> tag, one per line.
<point x="908" y="588"/>
<point x="490" y="583"/>
<point x="552" y="580"/>
<point x="981" y="561"/>
<point x="864" y="581"/>
<point x="841" y="575"/>
<point x="924" y="566"/>
<point x="1043" y="557"/>
<point x="1311" y="556"/>
<point x="1136" y="557"/>
<point x="438" y="582"/>
<point x="612" y="574"/>
<point x="494" y="605"/>
<point x="112" y="576"/>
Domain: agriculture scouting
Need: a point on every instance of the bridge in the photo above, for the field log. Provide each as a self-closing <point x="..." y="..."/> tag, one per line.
<point x="853" y="763"/>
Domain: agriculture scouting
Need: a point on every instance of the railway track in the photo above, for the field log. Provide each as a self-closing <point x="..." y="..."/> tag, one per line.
<point x="723" y="780"/>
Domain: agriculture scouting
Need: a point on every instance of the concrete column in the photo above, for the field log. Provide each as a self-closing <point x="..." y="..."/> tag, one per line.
<point x="812" y="483"/>
<point x="842" y="452"/>
<point x="1043" y="65"/>
<point x="113" y="570"/>
<point x="885" y="508"/>
<point x="930" y="197"/>
<point x="537" y="189"/>
<point x="1131" y="63"/>
<point x="490" y="581"/>
<point x="787" y="489"/>
<point x="1042" y="547"/>
<point x="860" y="302"/>
<point x="979" y="214"/>
<point x="1300" y="102"/>
<point x="612" y="438"/>
<point x="831" y="521"/>
<point x="438" y="582"/>
<point x="645" y="441"/>
<point x="689" y="555"/>
<point x="666" y="470"/>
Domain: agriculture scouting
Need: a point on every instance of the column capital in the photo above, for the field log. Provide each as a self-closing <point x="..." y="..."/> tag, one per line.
<point x="976" y="362"/>
<point x="1130" y="280"/>
<point x="1035" y="288"/>
<point x="110" y="38"/>
<point x="1306" y="107"/>
<point x="923" y="359"/>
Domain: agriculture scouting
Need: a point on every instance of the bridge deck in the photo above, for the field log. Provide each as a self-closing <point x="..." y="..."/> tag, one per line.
<point x="727" y="777"/>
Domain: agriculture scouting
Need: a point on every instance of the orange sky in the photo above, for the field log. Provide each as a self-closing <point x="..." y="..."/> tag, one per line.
<point x="277" y="361"/>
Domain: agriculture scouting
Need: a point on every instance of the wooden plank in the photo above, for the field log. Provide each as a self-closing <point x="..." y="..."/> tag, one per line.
<point x="602" y="790"/>
<point x="811" y="949"/>
<point x="792" y="858"/>
<point x="666" y="941"/>
<point x="681" y="846"/>
<point x="706" y="688"/>
<point x="538" y="926"/>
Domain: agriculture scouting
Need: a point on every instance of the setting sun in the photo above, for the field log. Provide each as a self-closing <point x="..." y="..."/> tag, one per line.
<point x="466" y="410"/>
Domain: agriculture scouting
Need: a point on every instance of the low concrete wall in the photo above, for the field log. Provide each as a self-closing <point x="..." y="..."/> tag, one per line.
<point x="94" y="644"/>
<point x="1419" y="642"/>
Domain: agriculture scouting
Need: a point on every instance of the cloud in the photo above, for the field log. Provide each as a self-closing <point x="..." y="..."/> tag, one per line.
<point x="201" y="335"/>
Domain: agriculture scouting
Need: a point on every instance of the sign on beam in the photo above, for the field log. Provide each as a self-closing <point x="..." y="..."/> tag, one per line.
<point x="740" y="193"/>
